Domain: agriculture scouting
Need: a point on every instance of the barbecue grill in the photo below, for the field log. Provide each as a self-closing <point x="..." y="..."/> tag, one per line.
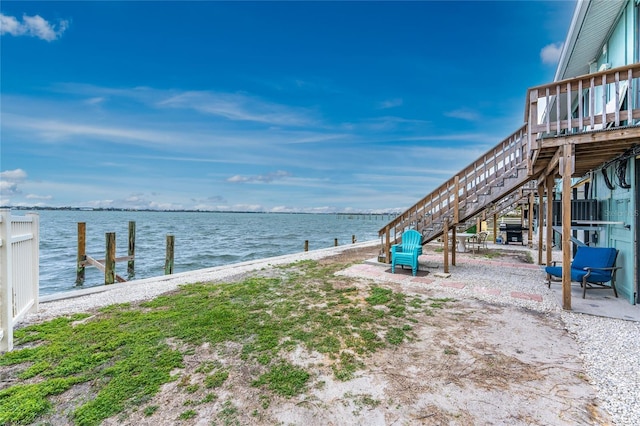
<point x="513" y="232"/>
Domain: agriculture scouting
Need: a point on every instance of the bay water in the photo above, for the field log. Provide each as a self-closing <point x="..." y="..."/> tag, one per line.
<point x="202" y="240"/>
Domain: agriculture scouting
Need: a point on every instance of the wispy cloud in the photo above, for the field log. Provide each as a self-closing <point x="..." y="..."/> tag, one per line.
<point x="266" y="178"/>
<point x="9" y="181"/>
<point x="33" y="26"/>
<point x="463" y="114"/>
<point x="240" y="107"/>
<point x="39" y="197"/>
<point x="390" y="103"/>
<point x="550" y="54"/>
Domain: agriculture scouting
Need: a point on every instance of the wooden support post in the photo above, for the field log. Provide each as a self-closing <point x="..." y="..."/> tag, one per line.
<point x="456" y="201"/>
<point x="540" y="221"/>
<point x="168" y="260"/>
<point x="445" y="239"/>
<point x="566" y="225"/>
<point x="387" y="245"/>
<point x="495" y="227"/>
<point x="478" y="225"/>
<point x="82" y="252"/>
<point x="132" y="249"/>
<point x="530" y="236"/>
<point x="110" y="258"/>
<point x="306" y="245"/>
<point x="453" y="243"/>
<point x="335" y="242"/>
<point x="550" y="183"/>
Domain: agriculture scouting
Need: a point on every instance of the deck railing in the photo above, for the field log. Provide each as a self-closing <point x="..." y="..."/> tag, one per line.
<point x="587" y="103"/>
<point x="454" y="200"/>
<point x="19" y="271"/>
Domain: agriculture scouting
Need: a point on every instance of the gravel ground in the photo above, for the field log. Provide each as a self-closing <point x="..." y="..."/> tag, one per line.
<point x="609" y="348"/>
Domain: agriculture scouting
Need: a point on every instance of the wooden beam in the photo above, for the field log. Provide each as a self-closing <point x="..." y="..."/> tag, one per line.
<point x="551" y="167"/>
<point x="549" y="183"/>
<point x="445" y="239"/>
<point x="82" y="252"/>
<point x="540" y="220"/>
<point x="456" y="201"/>
<point x="96" y="262"/>
<point x="566" y="225"/>
<point x="453" y="241"/>
<point x="598" y="137"/>
<point x="495" y="227"/>
<point x="530" y="235"/>
<point x="387" y="245"/>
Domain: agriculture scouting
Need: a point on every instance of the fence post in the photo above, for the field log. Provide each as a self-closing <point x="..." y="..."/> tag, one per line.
<point x="132" y="249"/>
<point x="306" y="245"/>
<point x="335" y="242"/>
<point x="35" y="260"/>
<point x="168" y="262"/>
<point x="110" y="259"/>
<point x="82" y="251"/>
<point x="6" y="292"/>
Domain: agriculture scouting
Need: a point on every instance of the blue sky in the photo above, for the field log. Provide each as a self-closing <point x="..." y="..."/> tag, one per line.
<point x="265" y="106"/>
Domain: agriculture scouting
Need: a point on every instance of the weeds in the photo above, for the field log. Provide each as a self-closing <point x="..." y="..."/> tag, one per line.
<point x="125" y="353"/>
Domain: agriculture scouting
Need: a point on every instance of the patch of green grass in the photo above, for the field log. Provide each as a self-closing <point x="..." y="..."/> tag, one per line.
<point x="346" y="368"/>
<point x="149" y="410"/>
<point x="395" y="336"/>
<point x="284" y="379"/>
<point x="216" y="379"/>
<point x="439" y="303"/>
<point x="186" y="415"/>
<point x="127" y="352"/>
<point x="229" y="414"/>
<point x="492" y="254"/>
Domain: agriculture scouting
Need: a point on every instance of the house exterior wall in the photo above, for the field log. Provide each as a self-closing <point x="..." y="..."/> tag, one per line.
<point x="619" y="204"/>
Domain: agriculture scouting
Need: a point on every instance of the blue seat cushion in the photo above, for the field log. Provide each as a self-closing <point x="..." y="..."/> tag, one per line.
<point x="594" y="257"/>
<point x="555" y="271"/>
<point x="578" y="274"/>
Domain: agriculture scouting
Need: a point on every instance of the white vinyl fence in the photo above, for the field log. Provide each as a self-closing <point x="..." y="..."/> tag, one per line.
<point x="19" y="271"/>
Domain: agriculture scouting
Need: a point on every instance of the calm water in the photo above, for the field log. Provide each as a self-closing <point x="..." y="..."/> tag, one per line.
<point x="202" y="240"/>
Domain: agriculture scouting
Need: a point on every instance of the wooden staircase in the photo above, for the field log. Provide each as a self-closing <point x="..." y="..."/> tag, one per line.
<point x="489" y="183"/>
<point x="584" y="122"/>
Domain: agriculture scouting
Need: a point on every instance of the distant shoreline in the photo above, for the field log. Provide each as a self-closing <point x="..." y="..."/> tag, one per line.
<point x="108" y="209"/>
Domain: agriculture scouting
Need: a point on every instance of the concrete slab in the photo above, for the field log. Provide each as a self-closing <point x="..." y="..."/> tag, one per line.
<point x="601" y="303"/>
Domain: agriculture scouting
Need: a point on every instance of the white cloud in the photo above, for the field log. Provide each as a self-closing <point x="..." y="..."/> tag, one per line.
<point x="550" y="54"/>
<point x="267" y="178"/>
<point x="390" y="103"/>
<point x="38" y="197"/>
<point x="463" y="114"/>
<point x="14" y="175"/>
<point x="33" y="26"/>
<point x="240" y="107"/>
<point x="9" y="181"/>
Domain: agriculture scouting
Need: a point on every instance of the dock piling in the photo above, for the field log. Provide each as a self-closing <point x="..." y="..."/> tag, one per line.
<point x="168" y="262"/>
<point x="82" y="252"/>
<point x="110" y="258"/>
<point x="132" y="250"/>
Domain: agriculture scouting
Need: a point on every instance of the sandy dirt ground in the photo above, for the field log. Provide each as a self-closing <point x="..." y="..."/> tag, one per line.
<point x="475" y="363"/>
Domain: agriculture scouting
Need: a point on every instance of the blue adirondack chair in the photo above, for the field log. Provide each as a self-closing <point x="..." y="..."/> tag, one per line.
<point x="592" y="267"/>
<point x="407" y="253"/>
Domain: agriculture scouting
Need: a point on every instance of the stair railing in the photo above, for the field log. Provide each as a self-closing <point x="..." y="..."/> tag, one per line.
<point x="453" y="199"/>
<point x="586" y="103"/>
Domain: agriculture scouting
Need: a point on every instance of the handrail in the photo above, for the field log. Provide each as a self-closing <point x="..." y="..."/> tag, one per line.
<point x="501" y="158"/>
<point x="559" y="101"/>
